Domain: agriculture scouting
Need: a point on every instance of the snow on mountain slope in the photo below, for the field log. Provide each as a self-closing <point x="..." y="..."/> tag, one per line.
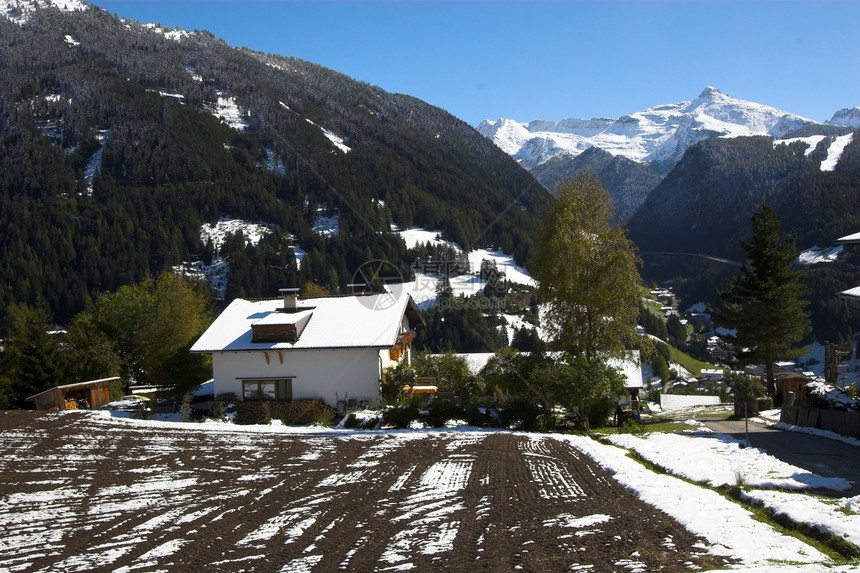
<point x="661" y="134"/>
<point x="19" y="11"/>
<point x="834" y="152"/>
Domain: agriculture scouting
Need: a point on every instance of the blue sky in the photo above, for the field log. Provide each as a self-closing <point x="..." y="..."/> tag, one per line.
<point x="553" y="59"/>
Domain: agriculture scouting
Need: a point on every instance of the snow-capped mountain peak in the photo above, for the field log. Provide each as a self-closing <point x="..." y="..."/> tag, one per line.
<point x="710" y="92"/>
<point x="848" y="117"/>
<point x="659" y="134"/>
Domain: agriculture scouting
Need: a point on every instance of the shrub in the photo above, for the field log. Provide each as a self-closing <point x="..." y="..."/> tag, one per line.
<point x="522" y="414"/>
<point x="391" y="390"/>
<point x="303" y="412"/>
<point x="600" y="411"/>
<point x="483" y="417"/>
<point x="185" y="410"/>
<point x="439" y="412"/>
<point x="631" y="426"/>
<point x="746" y="386"/>
<point x="401" y="416"/>
<point x="266" y="408"/>
<point x="450" y="371"/>
<point x="296" y="412"/>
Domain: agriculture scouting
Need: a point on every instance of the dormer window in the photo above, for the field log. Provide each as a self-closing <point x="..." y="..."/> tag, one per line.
<point x="274" y="333"/>
<point x="280" y="327"/>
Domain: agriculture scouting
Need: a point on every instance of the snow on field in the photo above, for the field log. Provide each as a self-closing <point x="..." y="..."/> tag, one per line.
<point x="153" y="509"/>
<point x="505" y="264"/>
<point x="175" y="34"/>
<point x="840" y="517"/>
<point x="218" y="232"/>
<point x="719" y="459"/>
<point x="423" y="287"/>
<point x="415" y="236"/>
<point x="326" y="225"/>
<point x="731" y="529"/>
<point x="19" y="12"/>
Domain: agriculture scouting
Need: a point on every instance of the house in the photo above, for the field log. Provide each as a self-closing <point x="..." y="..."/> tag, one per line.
<point x="784" y="366"/>
<point x="711" y="374"/>
<point x="335" y="349"/>
<point x="851" y="297"/>
<point x="91" y="394"/>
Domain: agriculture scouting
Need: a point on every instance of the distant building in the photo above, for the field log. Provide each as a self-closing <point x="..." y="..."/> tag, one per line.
<point x="784" y="366"/>
<point x="711" y="374"/>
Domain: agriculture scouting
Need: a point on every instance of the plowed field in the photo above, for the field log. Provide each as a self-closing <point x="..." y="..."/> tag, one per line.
<point x="81" y="492"/>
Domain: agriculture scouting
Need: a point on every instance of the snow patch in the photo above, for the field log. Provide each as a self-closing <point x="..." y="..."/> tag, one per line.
<point x="834" y="152"/>
<point x="330" y="135"/>
<point x="228" y="112"/>
<point x="810" y="142"/>
<point x="815" y="255"/>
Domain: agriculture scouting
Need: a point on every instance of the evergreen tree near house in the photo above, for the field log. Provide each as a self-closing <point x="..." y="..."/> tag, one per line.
<point x="32" y="363"/>
<point x="765" y="304"/>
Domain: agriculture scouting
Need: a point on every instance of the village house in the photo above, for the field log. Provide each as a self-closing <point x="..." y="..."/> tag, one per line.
<point x="711" y="374"/>
<point x="850" y="244"/>
<point x="335" y="349"/>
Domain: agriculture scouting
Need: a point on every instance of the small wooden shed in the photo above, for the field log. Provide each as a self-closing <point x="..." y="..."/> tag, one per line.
<point x="789" y="385"/>
<point x="79" y="396"/>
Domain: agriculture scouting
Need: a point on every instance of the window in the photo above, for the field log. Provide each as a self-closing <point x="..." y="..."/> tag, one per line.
<point x="274" y="333"/>
<point x="267" y="390"/>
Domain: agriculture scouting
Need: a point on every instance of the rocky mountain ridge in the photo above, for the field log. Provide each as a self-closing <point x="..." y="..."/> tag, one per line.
<point x="658" y="136"/>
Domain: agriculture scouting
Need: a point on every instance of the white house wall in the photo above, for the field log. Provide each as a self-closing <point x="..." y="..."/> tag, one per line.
<point x="326" y="374"/>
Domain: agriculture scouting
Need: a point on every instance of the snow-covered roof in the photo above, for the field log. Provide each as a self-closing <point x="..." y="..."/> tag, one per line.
<point x="369" y="321"/>
<point x="851" y="293"/>
<point x="848" y="239"/>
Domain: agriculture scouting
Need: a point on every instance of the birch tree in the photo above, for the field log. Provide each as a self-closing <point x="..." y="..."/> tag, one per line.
<point x="588" y="273"/>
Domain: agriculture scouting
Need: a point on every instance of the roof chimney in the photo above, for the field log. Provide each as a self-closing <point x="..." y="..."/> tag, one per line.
<point x="291" y="299"/>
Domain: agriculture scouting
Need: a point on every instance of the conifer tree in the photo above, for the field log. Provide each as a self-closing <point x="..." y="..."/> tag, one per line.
<point x="33" y="361"/>
<point x="765" y="303"/>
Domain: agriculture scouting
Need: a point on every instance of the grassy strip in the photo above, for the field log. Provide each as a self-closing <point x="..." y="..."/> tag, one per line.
<point x="833" y="546"/>
<point x="835" y="543"/>
<point x="667" y="426"/>
<point x="687" y="361"/>
<point x="654" y="308"/>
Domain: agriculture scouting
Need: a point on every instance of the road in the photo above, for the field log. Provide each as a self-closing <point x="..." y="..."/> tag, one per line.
<point x="823" y="456"/>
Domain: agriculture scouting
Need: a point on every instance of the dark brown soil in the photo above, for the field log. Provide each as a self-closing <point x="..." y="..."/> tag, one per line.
<point x="82" y="493"/>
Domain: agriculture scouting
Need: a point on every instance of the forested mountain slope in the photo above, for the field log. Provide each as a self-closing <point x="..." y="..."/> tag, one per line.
<point x="627" y="181"/>
<point x="704" y="205"/>
<point x="118" y="141"/>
